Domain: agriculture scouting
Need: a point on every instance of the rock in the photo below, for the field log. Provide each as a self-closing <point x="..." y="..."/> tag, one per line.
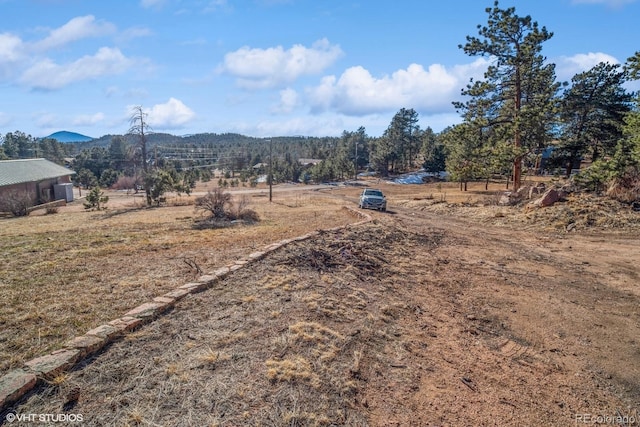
<point x="53" y="364"/>
<point x="109" y="332"/>
<point x="548" y="198"/>
<point x="523" y="191"/>
<point x="509" y="198"/>
<point x="569" y="188"/>
<point x="126" y="324"/>
<point x="504" y="199"/>
<point x="14" y="384"/>
<point x="150" y="310"/>
<point x="537" y="190"/>
<point x="87" y="344"/>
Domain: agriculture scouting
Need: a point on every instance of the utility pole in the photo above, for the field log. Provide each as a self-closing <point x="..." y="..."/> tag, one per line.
<point x="355" y="162"/>
<point x="270" y="171"/>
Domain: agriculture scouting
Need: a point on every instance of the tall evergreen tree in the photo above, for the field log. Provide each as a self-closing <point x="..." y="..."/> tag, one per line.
<point x="464" y="146"/>
<point x="399" y="146"/>
<point x="383" y="154"/>
<point x="360" y="149"/>
<point x="592" y="113"/>
<point x="632" y="67"/>
<point x="120" y="155"/>
<point x="403" y="133"/>
<point x="432" y="150"/>
<point x="18" y="145"/>
<point x="3" y="156"/>
<point x="519" y="88"/>
<point x="52" y="150"/>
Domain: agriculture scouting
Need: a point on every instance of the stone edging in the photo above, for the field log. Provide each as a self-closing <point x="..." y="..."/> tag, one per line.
<point x="18" y="382"/>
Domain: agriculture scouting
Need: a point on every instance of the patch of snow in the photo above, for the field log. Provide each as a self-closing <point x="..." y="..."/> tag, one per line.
<point x="417" y="177"/>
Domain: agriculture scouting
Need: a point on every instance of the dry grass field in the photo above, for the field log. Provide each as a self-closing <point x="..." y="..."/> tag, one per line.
<point x="446" y="310"/>
<point x="66" y="273"/>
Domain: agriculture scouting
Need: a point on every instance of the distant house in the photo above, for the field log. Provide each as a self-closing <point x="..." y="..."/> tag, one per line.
<point x="42" y="180"/>
<point x="309" y="162"/>
<point x="260" y="166"/>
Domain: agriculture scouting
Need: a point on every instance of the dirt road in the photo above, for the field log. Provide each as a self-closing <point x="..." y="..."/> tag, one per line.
<point x="545" y="325"/>
<point x="412" y="319"/>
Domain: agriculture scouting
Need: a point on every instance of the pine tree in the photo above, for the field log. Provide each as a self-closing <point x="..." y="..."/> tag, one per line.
<point x="519" y="89"/>
<point x="95" y="199"/>
<point x="592" y="113"/>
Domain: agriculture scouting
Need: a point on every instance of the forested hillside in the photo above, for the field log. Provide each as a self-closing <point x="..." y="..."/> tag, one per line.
<point x="519" y="120"/>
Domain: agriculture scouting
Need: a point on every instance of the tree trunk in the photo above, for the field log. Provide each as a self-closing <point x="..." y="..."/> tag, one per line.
<point x="569" y="168"/>
<point x="517" y="173"/>
<point x="517" y="163"/>
<point x="570" y="162"/>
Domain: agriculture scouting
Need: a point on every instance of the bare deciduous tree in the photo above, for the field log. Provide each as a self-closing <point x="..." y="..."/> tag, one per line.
<point x="140" y="128"/>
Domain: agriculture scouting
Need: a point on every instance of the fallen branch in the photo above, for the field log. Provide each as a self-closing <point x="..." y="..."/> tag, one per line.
<point x="468" y="383"/>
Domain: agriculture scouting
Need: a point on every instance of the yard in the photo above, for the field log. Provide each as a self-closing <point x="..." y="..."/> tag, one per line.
<point x="446" y="310"/>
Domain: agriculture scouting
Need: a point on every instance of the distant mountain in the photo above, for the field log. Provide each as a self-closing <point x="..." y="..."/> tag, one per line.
<point x="65" y="136"/>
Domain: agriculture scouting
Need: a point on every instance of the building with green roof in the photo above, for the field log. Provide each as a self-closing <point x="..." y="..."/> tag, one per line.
<point x="43" y="181"/>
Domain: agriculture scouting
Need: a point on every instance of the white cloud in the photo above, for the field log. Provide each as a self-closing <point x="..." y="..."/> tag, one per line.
<point x="111" y="91"/>
<point x="256" y="68"/>
<point x="569" y="66"/>
<point x="315" y="125"/>
<point x="289" y="100"/>
<point x="48" y="75"/>
<point x="46" y="120"/>
<point x="357" y="92"/>
<point x="88" y="119"/>
<point x="76" y="29"/>
<point x="133" y="33"/>
<point x="10" y="48"/>
<point x="11" y="53"/>
<point x="171" y="115"/>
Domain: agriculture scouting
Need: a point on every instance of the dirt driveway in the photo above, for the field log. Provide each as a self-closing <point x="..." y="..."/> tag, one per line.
<point x="412" y="319"/>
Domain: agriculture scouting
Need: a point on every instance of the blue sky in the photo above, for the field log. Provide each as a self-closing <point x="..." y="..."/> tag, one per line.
<point x="268" y="67"/>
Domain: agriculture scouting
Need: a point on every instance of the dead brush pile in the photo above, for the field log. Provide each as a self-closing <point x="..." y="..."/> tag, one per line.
<point x="580" y="211"/>
<point x="584" y="211"/>
<point x="292" y="340"/>
<point x="364" y="256"/>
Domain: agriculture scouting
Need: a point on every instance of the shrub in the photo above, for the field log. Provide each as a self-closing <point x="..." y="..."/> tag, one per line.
<point x="16" y="202"/>
<point x="249" y="215"/>
<point x="95" y="199"/>
<point x="127" y="183"/>
<point x="85" y="178"/>
<point x="626" y="187"/>
<point x="108" y="178"/>
<point x="215" y="202"/>
<point x="594" y="178"/>
<point x="222" y="209"/>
